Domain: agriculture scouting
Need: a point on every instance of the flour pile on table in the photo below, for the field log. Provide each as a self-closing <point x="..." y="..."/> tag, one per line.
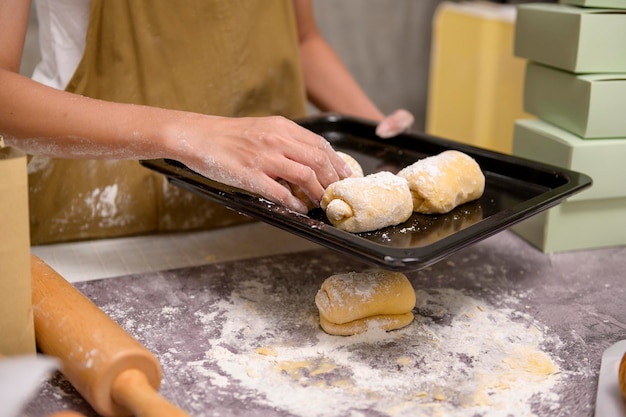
<point x="460" y="357"/>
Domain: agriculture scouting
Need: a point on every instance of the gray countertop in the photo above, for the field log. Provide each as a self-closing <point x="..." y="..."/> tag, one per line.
<point x="500" y="329"/>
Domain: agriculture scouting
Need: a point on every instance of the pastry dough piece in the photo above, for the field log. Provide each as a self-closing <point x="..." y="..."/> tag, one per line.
<point x="355" y="167"/>
<point x="352" y="302"/>
<point x="386" y="322"/>
<point x="368" y="203"/>
<point x="442" y="182"/>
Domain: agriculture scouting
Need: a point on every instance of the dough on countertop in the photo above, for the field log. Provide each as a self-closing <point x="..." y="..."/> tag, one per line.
<point x="442" y="182"/>
<point x="368" y="203"/>
<point x="350" y="303"/>
<point x="385" y="322"/>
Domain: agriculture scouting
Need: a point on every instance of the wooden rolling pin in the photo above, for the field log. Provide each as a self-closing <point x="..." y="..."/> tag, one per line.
<point x="108" y="367"/>
<point x="622" y="376"/>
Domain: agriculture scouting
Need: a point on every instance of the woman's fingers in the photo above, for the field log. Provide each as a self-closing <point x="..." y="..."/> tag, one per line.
<point x="397" y="122"/>
<point x="310" y="149"/>
<point x="255" y="153"/>
<point x="281" y="193"/>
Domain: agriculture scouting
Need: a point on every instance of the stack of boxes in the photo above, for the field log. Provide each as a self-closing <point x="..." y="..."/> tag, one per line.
<point x="575" y="85"/>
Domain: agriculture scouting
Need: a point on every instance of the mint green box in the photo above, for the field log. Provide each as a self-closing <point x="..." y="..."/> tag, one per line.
<point x="589" y="105"/>
<point x="576" y="225"/>
<point x="575" y="39"/>
<point x="602" y="4"/>
<point x="604" y="160"/>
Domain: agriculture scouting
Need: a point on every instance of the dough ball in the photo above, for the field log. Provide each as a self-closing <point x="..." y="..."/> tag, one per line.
<point x="355" y="167"/>
<point x="368" y="203"/>
<point x="386" y="322"/>
<point x="352" y="302"/>
<point x="442" y="182"/>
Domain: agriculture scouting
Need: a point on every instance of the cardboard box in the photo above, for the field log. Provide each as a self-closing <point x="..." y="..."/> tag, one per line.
<point x="604" y="160"/>
<point x="575" y="39"/>
<point x="601" y="4"/>
<point x="577" y="225"/>
<point x="17" y="326"/>
<point x="476" y="83"/>
<point x="590" y="106"/>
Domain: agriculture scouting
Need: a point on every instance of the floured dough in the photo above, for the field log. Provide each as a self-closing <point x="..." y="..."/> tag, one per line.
<point x="385" y="322"/>
<point x="368" y="203"/>
<point x="351" y="303"/>
<point x="442" y="182"/>
<point x="355" y="167"/>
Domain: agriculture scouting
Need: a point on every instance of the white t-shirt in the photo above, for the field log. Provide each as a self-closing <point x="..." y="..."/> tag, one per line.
<point x="62" y="29"/>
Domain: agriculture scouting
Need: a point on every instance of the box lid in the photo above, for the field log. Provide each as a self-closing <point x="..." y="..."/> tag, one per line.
<point x="609" y="4"/>
<point x="590" y="105"/>
<point x="602" y="159"/>
<point x="575" y="39"/>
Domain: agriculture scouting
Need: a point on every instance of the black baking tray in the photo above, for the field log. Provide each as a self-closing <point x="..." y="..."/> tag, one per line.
<point x="515" y="189"/>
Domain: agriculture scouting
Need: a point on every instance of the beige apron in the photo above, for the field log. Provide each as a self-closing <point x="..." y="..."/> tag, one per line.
<point x="222" y="57"/>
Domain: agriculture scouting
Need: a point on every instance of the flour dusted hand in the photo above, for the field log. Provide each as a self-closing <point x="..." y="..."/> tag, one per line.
<point x="368" y="203"/>
<point x="442" y="182"/>
<point x="255" y="153"/>
<point x="397" y="122"/>
<point x="353" y="302"/>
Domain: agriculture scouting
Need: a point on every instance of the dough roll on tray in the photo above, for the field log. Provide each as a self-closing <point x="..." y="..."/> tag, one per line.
<point x="355" y="167"/>
<point x="442" y="182"/>
<point x="368" y="203"/>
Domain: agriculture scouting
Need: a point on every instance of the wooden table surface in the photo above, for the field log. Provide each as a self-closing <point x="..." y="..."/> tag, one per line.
<point x="501" y="329"/>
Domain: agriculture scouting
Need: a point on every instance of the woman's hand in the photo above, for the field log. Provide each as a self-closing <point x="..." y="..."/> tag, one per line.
<point x="255" y="154"/>
<point x="249" y="153"/>
<point x="397" y="122"/>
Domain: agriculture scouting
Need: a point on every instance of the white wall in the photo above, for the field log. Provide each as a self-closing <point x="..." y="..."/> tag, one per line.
<point x="386" y="45"/>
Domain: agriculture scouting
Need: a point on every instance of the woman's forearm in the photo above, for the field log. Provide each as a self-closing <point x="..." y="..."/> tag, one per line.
<point x="246" y="152"/>
<point x="331" y="87"/>
<point x="42" y="120"/>
<point x="329" y="84"/>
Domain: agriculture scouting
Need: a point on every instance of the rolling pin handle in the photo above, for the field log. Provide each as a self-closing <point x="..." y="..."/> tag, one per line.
<point x="99" y="357"/>
<point x="132" y="391"/>
<point x="67" y="413"/>
<point x="622" y="376"/>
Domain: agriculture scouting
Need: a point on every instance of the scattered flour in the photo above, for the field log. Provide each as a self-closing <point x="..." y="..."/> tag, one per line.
<point x="38" y="163"/>
<point x="102" y="201"/>
<point x="461" y="357"/>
